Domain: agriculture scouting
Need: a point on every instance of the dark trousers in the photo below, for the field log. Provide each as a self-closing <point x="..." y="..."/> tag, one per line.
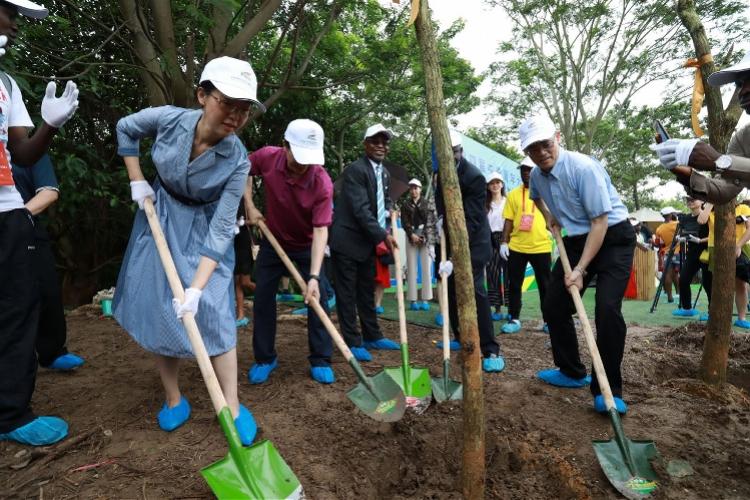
<point x="19" y="317"/>
<point x="611" y="266"/>
<point x="52" y="333"/>
<point x="706" y="279"/>
<point x="269" y="269"/>
<point x="541" y="263"/>
<point x="689" y="268"/>
<point x="497" y="274"/>
<point x="354" y="282"/>
<point x="484" y="314"/>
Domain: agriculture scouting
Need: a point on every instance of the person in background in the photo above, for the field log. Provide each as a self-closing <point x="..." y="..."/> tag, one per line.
<point x="39" y="190"/>
<point x="497" y="269"/>
<point x="663" y="237"/>
<point x="19" y="289"/>
<point x="202" y="169"/>
<point x="525" y="241"/>
<point x="697" y="241"/>
<point x="243" y="266"/>
<point x="418" y="222"/>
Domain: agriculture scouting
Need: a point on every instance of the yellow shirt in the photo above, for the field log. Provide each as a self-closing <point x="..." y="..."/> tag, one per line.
<point x="537" y="239"/>
<point x="739" y="229"/>
<point x="665" y="232"/>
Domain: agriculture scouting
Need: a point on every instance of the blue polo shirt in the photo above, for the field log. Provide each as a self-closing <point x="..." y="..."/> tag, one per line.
<point x="576" y="190"/>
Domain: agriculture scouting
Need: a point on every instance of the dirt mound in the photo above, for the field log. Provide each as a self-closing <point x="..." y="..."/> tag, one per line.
<point x="538" y="438"/>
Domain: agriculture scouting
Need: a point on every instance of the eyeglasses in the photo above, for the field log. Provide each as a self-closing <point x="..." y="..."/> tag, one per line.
<point x="230" y="107"/>
<point x="540" y="146"/>
<point x="378" y="141"/>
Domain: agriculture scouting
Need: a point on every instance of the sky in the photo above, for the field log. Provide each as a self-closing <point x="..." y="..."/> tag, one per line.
<point x="478" y="42"/>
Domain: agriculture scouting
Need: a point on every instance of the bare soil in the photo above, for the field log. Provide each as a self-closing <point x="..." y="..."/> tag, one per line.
<point x="538" y="437"/>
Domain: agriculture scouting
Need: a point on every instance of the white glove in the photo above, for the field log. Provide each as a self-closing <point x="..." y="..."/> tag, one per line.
<point x="139" y="191"/>
<point x="431" y="252"/>
<point x="3" y="41"/>
<point x="439" y="226"/>
<point x="504" y="251"/>
<point x="192" y="297"/>
<point x="58" y="110"/>
<point x="674" y="152"/>
<point x="693" y="238"/>
<point x="446" y="268"/>
<point x="238" y="225"/>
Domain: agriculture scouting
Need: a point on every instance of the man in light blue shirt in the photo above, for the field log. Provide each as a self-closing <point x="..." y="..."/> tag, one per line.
<point x="574" y="192"/>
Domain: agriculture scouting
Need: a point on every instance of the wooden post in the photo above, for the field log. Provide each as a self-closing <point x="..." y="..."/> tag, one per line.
<point x="473" y="469"/>
<point x="721" y="125"/>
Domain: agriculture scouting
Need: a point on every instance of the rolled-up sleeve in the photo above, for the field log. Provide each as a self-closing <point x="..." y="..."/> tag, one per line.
<point x="132" y="128"/>
<point x="221" y="228"/>
<point x="592" y="187"/>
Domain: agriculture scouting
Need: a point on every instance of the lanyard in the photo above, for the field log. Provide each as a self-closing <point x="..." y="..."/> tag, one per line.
<point x="523" y="201"/>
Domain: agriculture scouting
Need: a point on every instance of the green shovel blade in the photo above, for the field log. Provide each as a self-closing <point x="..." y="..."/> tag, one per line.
<point x="627" y="463"/>
<point x="256" y="472"/>
<point x="415" y="383"/>
<point x="445" y="389"/>
<point x="384" y="403"/>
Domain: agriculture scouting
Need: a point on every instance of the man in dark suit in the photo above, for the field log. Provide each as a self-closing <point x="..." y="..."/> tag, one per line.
<point x="358" y="227"/>
<point x="473" y="192"/>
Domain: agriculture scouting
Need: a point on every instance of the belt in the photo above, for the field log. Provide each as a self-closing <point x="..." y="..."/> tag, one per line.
<point x="182" y="199"/>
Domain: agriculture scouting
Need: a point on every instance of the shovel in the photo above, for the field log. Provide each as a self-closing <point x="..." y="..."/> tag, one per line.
<point x="379" y="397"/>
<point x="414" y="381"/>
<point x="625" y="462"/>
<point x="445" y="389"/>
<point x="256" y="472"/>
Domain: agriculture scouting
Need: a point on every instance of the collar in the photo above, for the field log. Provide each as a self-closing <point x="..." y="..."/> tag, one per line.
<point x="305" y="180"/>
<point x="373" y="164"/>
<point x="558" y="166"/>
<point x="223" y="147"/>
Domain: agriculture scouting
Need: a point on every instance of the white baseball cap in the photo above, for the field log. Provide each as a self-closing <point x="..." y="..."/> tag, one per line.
<point x="527" y="162"/>
<point x="456" y="138"/>
<point x="534" y="129"/>
<point x="634" y="221"/>
<point x="305" y="138"/>
<point x="495" y="176"/>
<point x="667" y="211"/>
<point x="728" y="75"/>
<point x="378" y="128"/>
<point x="234" y="78"/>
<point x="29" y="9"/>
<point x="415" y="182"/>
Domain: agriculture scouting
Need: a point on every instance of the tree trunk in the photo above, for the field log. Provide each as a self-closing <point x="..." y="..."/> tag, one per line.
<point x="721" y="124"/>
<point x="473" y="470"/>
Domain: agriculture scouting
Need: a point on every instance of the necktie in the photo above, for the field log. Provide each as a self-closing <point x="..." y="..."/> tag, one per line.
<point x="380" y="195"/>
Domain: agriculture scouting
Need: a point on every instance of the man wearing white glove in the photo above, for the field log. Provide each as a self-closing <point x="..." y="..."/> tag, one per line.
<point x="19" y="293"/>
<point x="526" y="241"/>
<point x="684" y="156"/>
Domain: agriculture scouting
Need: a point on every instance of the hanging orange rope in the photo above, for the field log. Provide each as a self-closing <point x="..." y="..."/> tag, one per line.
<point x="698" y="91"/>
<point x="414" y="11"/>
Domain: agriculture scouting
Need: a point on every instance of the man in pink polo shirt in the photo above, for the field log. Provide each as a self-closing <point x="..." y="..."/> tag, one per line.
<point x="299" y="209"/>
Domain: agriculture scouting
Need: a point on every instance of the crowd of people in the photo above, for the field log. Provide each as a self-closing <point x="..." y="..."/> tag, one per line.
<point x="204" y="173"/>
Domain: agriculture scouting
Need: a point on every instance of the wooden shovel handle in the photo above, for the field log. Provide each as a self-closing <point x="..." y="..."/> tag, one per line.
<point x="444" y="300"/>
<point x="588" y="333"/>
<point x="335" y="335"/>
<point x="191" y="327"/>
<point x="399" y="284"/>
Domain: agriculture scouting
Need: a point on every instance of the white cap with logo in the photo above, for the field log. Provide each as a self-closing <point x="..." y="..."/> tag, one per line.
<point x="29" y="9"/>
<point x="234" y="78"/>
<point x="495" y="176"/>
<point x="305" y="138"/>
<point x="668" y="210"/>
<point x="415" y="182"/>
<point x="378" y="128"/>
<point x="534" y="129"/>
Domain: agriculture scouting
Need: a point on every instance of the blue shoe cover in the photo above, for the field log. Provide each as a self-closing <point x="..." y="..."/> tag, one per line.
<point x="243" y="322"/>
<point x="512" y="326"/>
<point x="555" y="377"/>
<point x="322" y="374"/>
<point x="439" y="319"/>
<point x="545" y="328"/>
<point x="455" y="345"/>
<point x="171" y="418"/>
<point x="425" y="306"/>
<point x="600" y="407"/>
<point x="742" y="323"/>
<point x="361" y="354"/>
<point x="246" y="426"/>
<point x="302" y="311"/>
<point x="66" y="362"/>
<point x="383" y="344"/>
<point x="493" y="364"/>
<point x="39" y="432"/>
<point x="379" y="310"/>
<point x="685" y="313"/>
<point x="415" y="306"/>
<point x="703" y="317"/>
<point x="260" y="372"/>
<point x="498" y="316"/>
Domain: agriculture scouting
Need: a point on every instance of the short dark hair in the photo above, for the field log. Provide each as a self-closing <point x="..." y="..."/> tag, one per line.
<point x="206" y="85"/>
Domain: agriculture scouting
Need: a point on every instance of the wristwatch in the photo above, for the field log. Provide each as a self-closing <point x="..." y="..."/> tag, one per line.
<point x="315" y="277"/>
<point x="723" y="162"/>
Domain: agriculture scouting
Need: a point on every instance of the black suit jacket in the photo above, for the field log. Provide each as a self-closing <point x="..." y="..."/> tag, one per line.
<point x="355" y="230"/>
<point x="473" y="187"/>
